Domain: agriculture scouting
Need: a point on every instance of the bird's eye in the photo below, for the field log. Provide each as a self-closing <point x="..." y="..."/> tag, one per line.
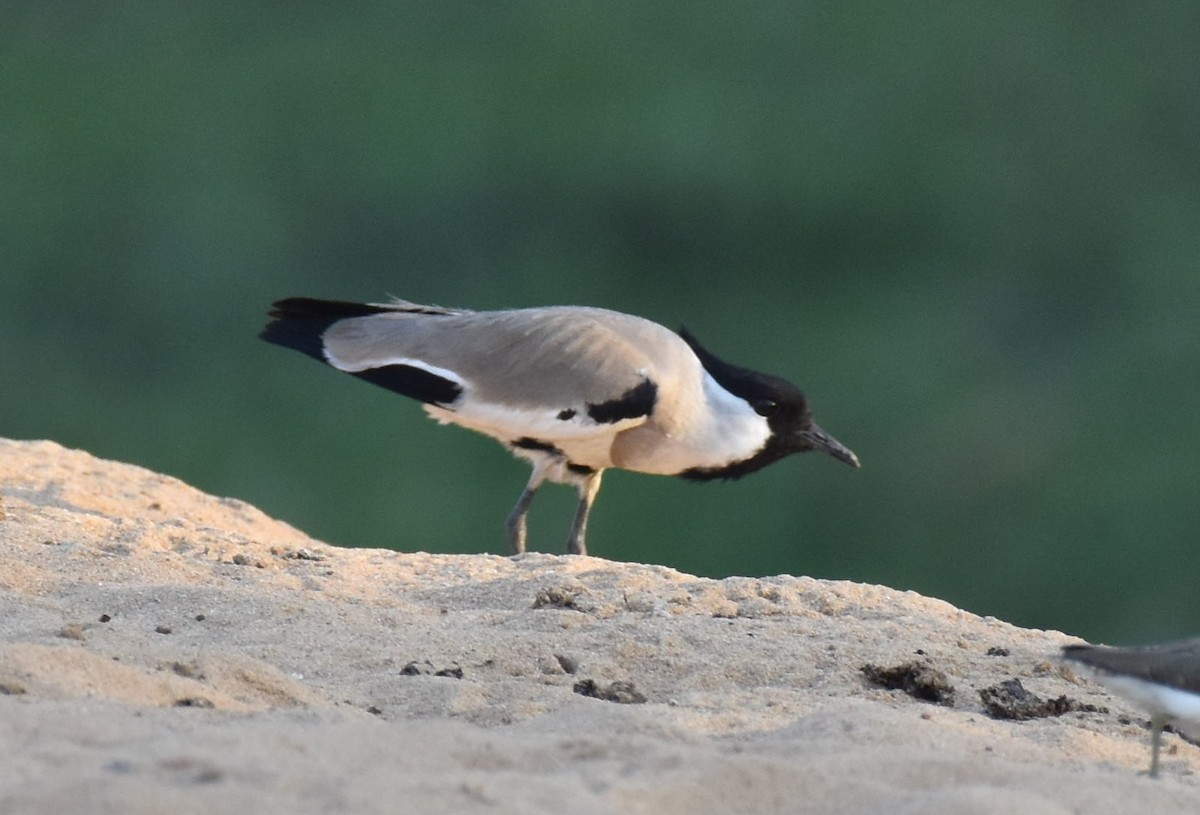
<point x="766" y="407"/>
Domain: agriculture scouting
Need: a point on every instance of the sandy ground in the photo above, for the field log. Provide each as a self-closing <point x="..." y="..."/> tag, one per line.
<point x="162" y="650"/>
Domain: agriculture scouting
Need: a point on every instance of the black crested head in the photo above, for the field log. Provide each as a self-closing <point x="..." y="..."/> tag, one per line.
<point x="778" y="401"/>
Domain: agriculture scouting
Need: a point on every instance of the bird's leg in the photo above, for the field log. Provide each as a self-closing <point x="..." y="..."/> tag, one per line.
<point x="1157" y="723"/>
<point x="589" y="485"/>
<point x="515" y="523"/>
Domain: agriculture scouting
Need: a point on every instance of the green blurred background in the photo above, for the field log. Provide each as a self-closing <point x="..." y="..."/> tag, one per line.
<point x="969" y="230"/>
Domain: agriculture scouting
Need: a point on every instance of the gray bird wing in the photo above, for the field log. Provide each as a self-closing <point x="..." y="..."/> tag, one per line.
<point x="555" y="372"/>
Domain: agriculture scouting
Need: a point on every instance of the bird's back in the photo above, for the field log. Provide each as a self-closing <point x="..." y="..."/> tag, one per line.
<point x="557" y="356"/>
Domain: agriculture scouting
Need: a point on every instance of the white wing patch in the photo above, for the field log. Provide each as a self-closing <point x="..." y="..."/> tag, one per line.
<point x="581" y="440"/>
<point x="383" y="362"/>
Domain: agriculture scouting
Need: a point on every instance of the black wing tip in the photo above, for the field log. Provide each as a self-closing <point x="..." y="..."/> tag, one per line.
<point x="299" y="335"/>
<point x="299" y="322"/>
<point x="313" y="308"/>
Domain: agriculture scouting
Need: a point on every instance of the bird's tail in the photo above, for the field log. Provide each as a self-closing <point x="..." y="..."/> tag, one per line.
<point x="299" y="322"/>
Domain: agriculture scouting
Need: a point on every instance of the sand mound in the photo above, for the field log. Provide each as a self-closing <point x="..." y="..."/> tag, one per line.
<point x="165" y="650"/>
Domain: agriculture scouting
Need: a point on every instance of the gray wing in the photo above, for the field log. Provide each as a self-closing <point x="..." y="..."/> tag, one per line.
<point x="563" y="369"/>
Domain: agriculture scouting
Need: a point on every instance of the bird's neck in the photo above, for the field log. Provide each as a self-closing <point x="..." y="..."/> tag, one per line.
<point x="712" y="429"/>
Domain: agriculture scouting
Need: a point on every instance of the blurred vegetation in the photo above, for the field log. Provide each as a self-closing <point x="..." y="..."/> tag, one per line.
<point x="970" y="231"/>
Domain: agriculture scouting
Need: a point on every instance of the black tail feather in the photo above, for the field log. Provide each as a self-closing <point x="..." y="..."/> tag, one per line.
<point x="312" y="308"/>
<point x="299" y="322"/>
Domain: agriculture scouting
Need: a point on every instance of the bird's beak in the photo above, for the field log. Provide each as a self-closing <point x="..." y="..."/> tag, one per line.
<point x="817" y="439"/>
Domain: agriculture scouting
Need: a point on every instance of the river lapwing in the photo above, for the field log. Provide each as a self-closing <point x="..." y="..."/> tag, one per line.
<point x="1162" y="679"/>
<point x="574" y="390"/>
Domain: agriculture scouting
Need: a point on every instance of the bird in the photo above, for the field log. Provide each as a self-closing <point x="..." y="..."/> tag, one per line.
<point x="1163" y="679"/>
<point x="575" y="390"/>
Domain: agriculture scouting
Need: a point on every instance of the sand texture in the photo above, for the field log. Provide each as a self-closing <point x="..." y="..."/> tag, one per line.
<point x="162" y="650"/>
